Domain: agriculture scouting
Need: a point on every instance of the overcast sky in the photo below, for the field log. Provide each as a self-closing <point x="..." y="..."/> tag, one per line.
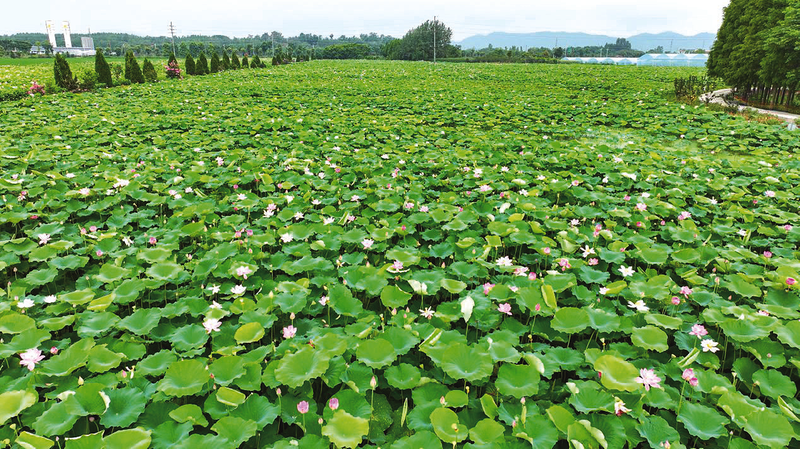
<point x="618" y="18"/>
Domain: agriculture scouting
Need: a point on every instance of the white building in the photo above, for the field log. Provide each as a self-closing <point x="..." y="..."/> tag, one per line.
<point x="659" y="59"/>
<point x="87" y="43"/>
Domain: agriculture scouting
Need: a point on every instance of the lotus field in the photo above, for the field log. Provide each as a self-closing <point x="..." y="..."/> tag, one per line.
<point x="397" y="255"/>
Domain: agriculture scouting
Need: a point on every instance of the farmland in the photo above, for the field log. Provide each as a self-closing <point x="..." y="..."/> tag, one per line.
<point x="398" y="255"/>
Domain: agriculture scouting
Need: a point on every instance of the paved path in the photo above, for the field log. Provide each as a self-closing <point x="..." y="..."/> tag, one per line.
<point x="718" y="97"/>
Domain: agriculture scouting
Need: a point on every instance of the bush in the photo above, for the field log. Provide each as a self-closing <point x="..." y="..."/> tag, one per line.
<point x="173" y="70"/>
<point x="201" y="68"/>
<point x="190" y="66"/>
<point x="235" y="62"/>
<point x="62" y="73"/>
<point x="149" y="71"/>
<point x="35" y="89"/>
<point x="692" y="87"/>
<point x="88" y="79"/>
<point x="116" y="69"/>
<point x="256" y="63"/>
<point x="215" y="65"/>
<point x="226" y="61"/>
<point x="133" y="72"/>
<point x="172" y="59"/>
<point x="102" y="68"/>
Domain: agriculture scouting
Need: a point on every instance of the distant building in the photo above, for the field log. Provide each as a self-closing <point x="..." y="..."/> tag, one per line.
<point x="650" y="59"/>
<point x="87" y="43"/>
<point x="38" y="50"/>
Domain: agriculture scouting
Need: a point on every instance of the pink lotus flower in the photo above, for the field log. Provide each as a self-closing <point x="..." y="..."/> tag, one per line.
<point x="791" y="281"/>
<point x="547" y="251"/>
<point x="698" y="330"/>
<point x="593" y="261"/>
<point x="487" y="287"/>
<point x="153" y="240"/>
<point x="564" y="264"/>
<point x="289" y="331"/>
<point x="538" y="307"/>
<point x="505" y="308"/>
<point x="648" y="378"/>
<point x="333" y="403"/>
<point x="30" y="358"/>
<point x="302" y="407"/>
<point x="686" y="291"/>
<point x="676" y="301"/>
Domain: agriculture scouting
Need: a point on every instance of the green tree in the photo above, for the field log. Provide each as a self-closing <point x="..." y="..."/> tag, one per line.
<point x="62" y="74"/>
<point x="172" y="59"/>
<point x="133" y="72"/>
<point x="149" y="71"/>
<point x="256" y="63"/>
<point x="245" y="62"/>
<point x="235" y="65"/>
<point x="201" y="67"/>
<point x="215" y="66"/>
<point x="189" y="65"/>
<point x="418" y="43"/>
<point x="102" y="68"/>
<point x="226" y="61"/>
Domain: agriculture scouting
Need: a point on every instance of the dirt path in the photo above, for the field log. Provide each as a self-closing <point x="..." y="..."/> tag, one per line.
<point x="718" y="97"/>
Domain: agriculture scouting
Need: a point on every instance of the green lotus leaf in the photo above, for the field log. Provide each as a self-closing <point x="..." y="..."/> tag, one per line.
<point x="345" y="430"/>
<point x="101" y="359"/>
<point x="230" y="397"/>
<point x="665" y="321"/>
<point x="68" y="360"/>
<point x="587" y="400"/>
<point x="184" y="378"/>
<point x="111" y="273"/>
<point x="446" y="426"/>
<point x="453" y="286"/>
<point x="156" y="364"/>
<point x="189" y="337"/>
<point x="249" y="333"/>
<point x="701" y="421"/>
<point x="190" y="413"/>
<point x="592" y="276"/>
<point x="742" y="330"/>
<point x="376" y="353"/>
<point x="14" y="402"/>
<point x="136" y="438"/>
<point x="401" y="339"/>
<point x="41" y="277"/>
<point x="125" y="406"/>
<point x="27" y="440"/>
<point x="617" y="374"/>
<point x="15" y="323"/>
<point x="656" y="430"/>
<point x="487" y="432"/>
<point x="343" y="302"/>
<point x="774" y="384"/>
<point x="86" y="441"/>
<point x="403" y="376"/>
<point x="768" y="428"/>
<point x="227" y="369"/>
<point x="78" y="297"/>
<point x="581" y="432"/>
<point x="55" y="420"/>
<point x="650" y="338"/>
<point x="295" y="369"/>
<point x="517" y="380"/>
<point x="142" y="321"/>
<point x="789" y="333"/>
<point x="538" y="432"/>
<point x="235" y="430"/>
<point x="464" y="362"/>
<point x="570" y="320"/>
<point x="257" y="409"/>
<point x="741" y="286"/>
<point x="166" y="271"/>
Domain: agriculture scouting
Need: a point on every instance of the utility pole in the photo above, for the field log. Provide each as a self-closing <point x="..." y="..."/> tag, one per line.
<point x="273" y="44"/>
<point x="434" y="39"/>
<point x="172" y="33"/>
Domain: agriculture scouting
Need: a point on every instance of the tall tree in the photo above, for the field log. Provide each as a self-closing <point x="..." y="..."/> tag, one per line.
<point x="149" y="71"/>
<point x="420" y="42"/>
<point x="226" y="61"/>
<point x="190" y="65"/>
<point x="133" y="72"/>
<point x="215" y="65"/>
<point x="102" y="68"/>
<point x="201" y="67"/>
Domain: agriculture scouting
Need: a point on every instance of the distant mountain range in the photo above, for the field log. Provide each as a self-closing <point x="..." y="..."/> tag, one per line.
<point x="550" y="39"/>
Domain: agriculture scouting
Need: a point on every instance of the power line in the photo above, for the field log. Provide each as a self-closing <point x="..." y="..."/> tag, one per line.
<point x="172" y="33"/>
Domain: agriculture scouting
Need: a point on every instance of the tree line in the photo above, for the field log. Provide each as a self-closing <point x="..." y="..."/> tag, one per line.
<point x="757" y="51"/>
